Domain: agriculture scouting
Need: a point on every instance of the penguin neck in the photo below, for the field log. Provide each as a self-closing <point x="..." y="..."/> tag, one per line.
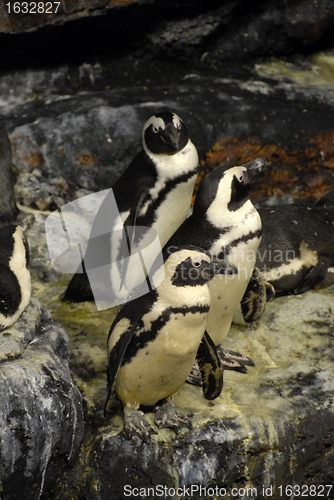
<point x="220" y="216"/>
<point x="173" y="166"/>
<point x="185" y="296"/>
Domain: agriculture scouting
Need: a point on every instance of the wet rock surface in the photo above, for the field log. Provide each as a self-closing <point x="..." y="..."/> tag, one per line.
<point x="271" y="427"/>
<point x="207" y="33"/>
<point x="67" y="145"/>
<point x="41" y="415"/>
<point x="73" y="129"/>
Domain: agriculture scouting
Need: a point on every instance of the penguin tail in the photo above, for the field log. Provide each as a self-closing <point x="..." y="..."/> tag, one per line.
<point x="78" y="290"/>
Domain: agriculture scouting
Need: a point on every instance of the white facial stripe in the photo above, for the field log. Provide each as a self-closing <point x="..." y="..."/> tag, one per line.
<point x="156" y="122"/>
<point x="176" y="121"/>
<point x="176" y="259"/>
<point x="201" y="256"/>
<point x="218" y="212"/>
<point x="241" y="172"/>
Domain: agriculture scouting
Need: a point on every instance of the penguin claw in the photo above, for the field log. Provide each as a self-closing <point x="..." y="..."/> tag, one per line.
<point x="232" y="360"/>
<point x="135" y="425"/>
<point x="167" y="417"/>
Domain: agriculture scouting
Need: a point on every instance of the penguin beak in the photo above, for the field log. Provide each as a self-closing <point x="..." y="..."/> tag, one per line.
<point x="172" y="136"/>
<point x="253" y="168"/>
<point x="218" y="267"/>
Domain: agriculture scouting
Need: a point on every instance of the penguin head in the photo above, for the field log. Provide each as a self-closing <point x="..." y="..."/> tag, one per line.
<point x="226" y="190"/>
<point x="164" y="134"/>
<point x="191" y="266"/>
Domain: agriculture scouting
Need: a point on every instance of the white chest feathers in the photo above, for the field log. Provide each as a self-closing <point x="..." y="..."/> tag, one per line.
<point x="238" y="245"/>
<point x="179" y="171"/>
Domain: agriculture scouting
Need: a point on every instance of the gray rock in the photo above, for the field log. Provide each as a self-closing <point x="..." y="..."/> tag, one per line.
<point x="41" y="415"/>
<point x="8" y="209"/>
<point x="206" y="33"/>
<point x="66" y="146"/>
<point x="270" y="428"/>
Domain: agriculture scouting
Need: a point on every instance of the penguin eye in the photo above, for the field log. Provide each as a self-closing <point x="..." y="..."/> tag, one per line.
<point x="196" y="263"/>
<point x="155" y="129"/>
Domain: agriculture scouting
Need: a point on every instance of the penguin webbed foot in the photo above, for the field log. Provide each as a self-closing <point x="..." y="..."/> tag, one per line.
<point x="136" y="426"/>
<point x="168" y="417"/>
<point x="232" y="360"/>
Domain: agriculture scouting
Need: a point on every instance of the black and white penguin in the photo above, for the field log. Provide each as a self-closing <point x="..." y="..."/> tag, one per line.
<point x="15" y="280"/>
<point x="225" y="223"/>
<point x="8" y="209"/>
<point x="297" y="246"/>
<point x="155" y="192"/>
<point x="153" y="341"/>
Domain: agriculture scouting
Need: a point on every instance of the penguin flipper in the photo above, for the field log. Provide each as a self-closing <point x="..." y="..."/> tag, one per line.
<point x="115" y="360"/>
<point x="210" y="367"/>
<point x="254" y="300"/>
<point x="129" y="230"/>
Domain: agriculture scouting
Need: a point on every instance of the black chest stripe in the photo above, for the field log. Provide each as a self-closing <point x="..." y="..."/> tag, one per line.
<point x="141" y="340"/>
<point x="243" y="239"/>
<point x="150" y="215"/>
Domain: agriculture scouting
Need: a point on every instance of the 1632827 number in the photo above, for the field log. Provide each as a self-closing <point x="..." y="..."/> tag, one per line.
<point x="305" y="491"/>
<point x="32" y="7"/>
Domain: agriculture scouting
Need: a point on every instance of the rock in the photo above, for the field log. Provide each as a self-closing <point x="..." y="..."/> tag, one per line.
<point x="72" y="134"/>
<point x="67" y="146"/>
<point x="41" y="415"/>
<point x="206" y="33"/>
<point x="8" y="209"/>
<point x="269" y="429"/>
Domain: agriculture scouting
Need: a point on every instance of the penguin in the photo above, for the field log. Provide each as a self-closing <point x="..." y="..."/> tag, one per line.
<point x="297" y="247"/>
<point x="8" y="209"/>
<point x="225" y="223"/>
<point x="15" y="280"/>
<point x="154" y="192"/>
<point x="152" y="343"/>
